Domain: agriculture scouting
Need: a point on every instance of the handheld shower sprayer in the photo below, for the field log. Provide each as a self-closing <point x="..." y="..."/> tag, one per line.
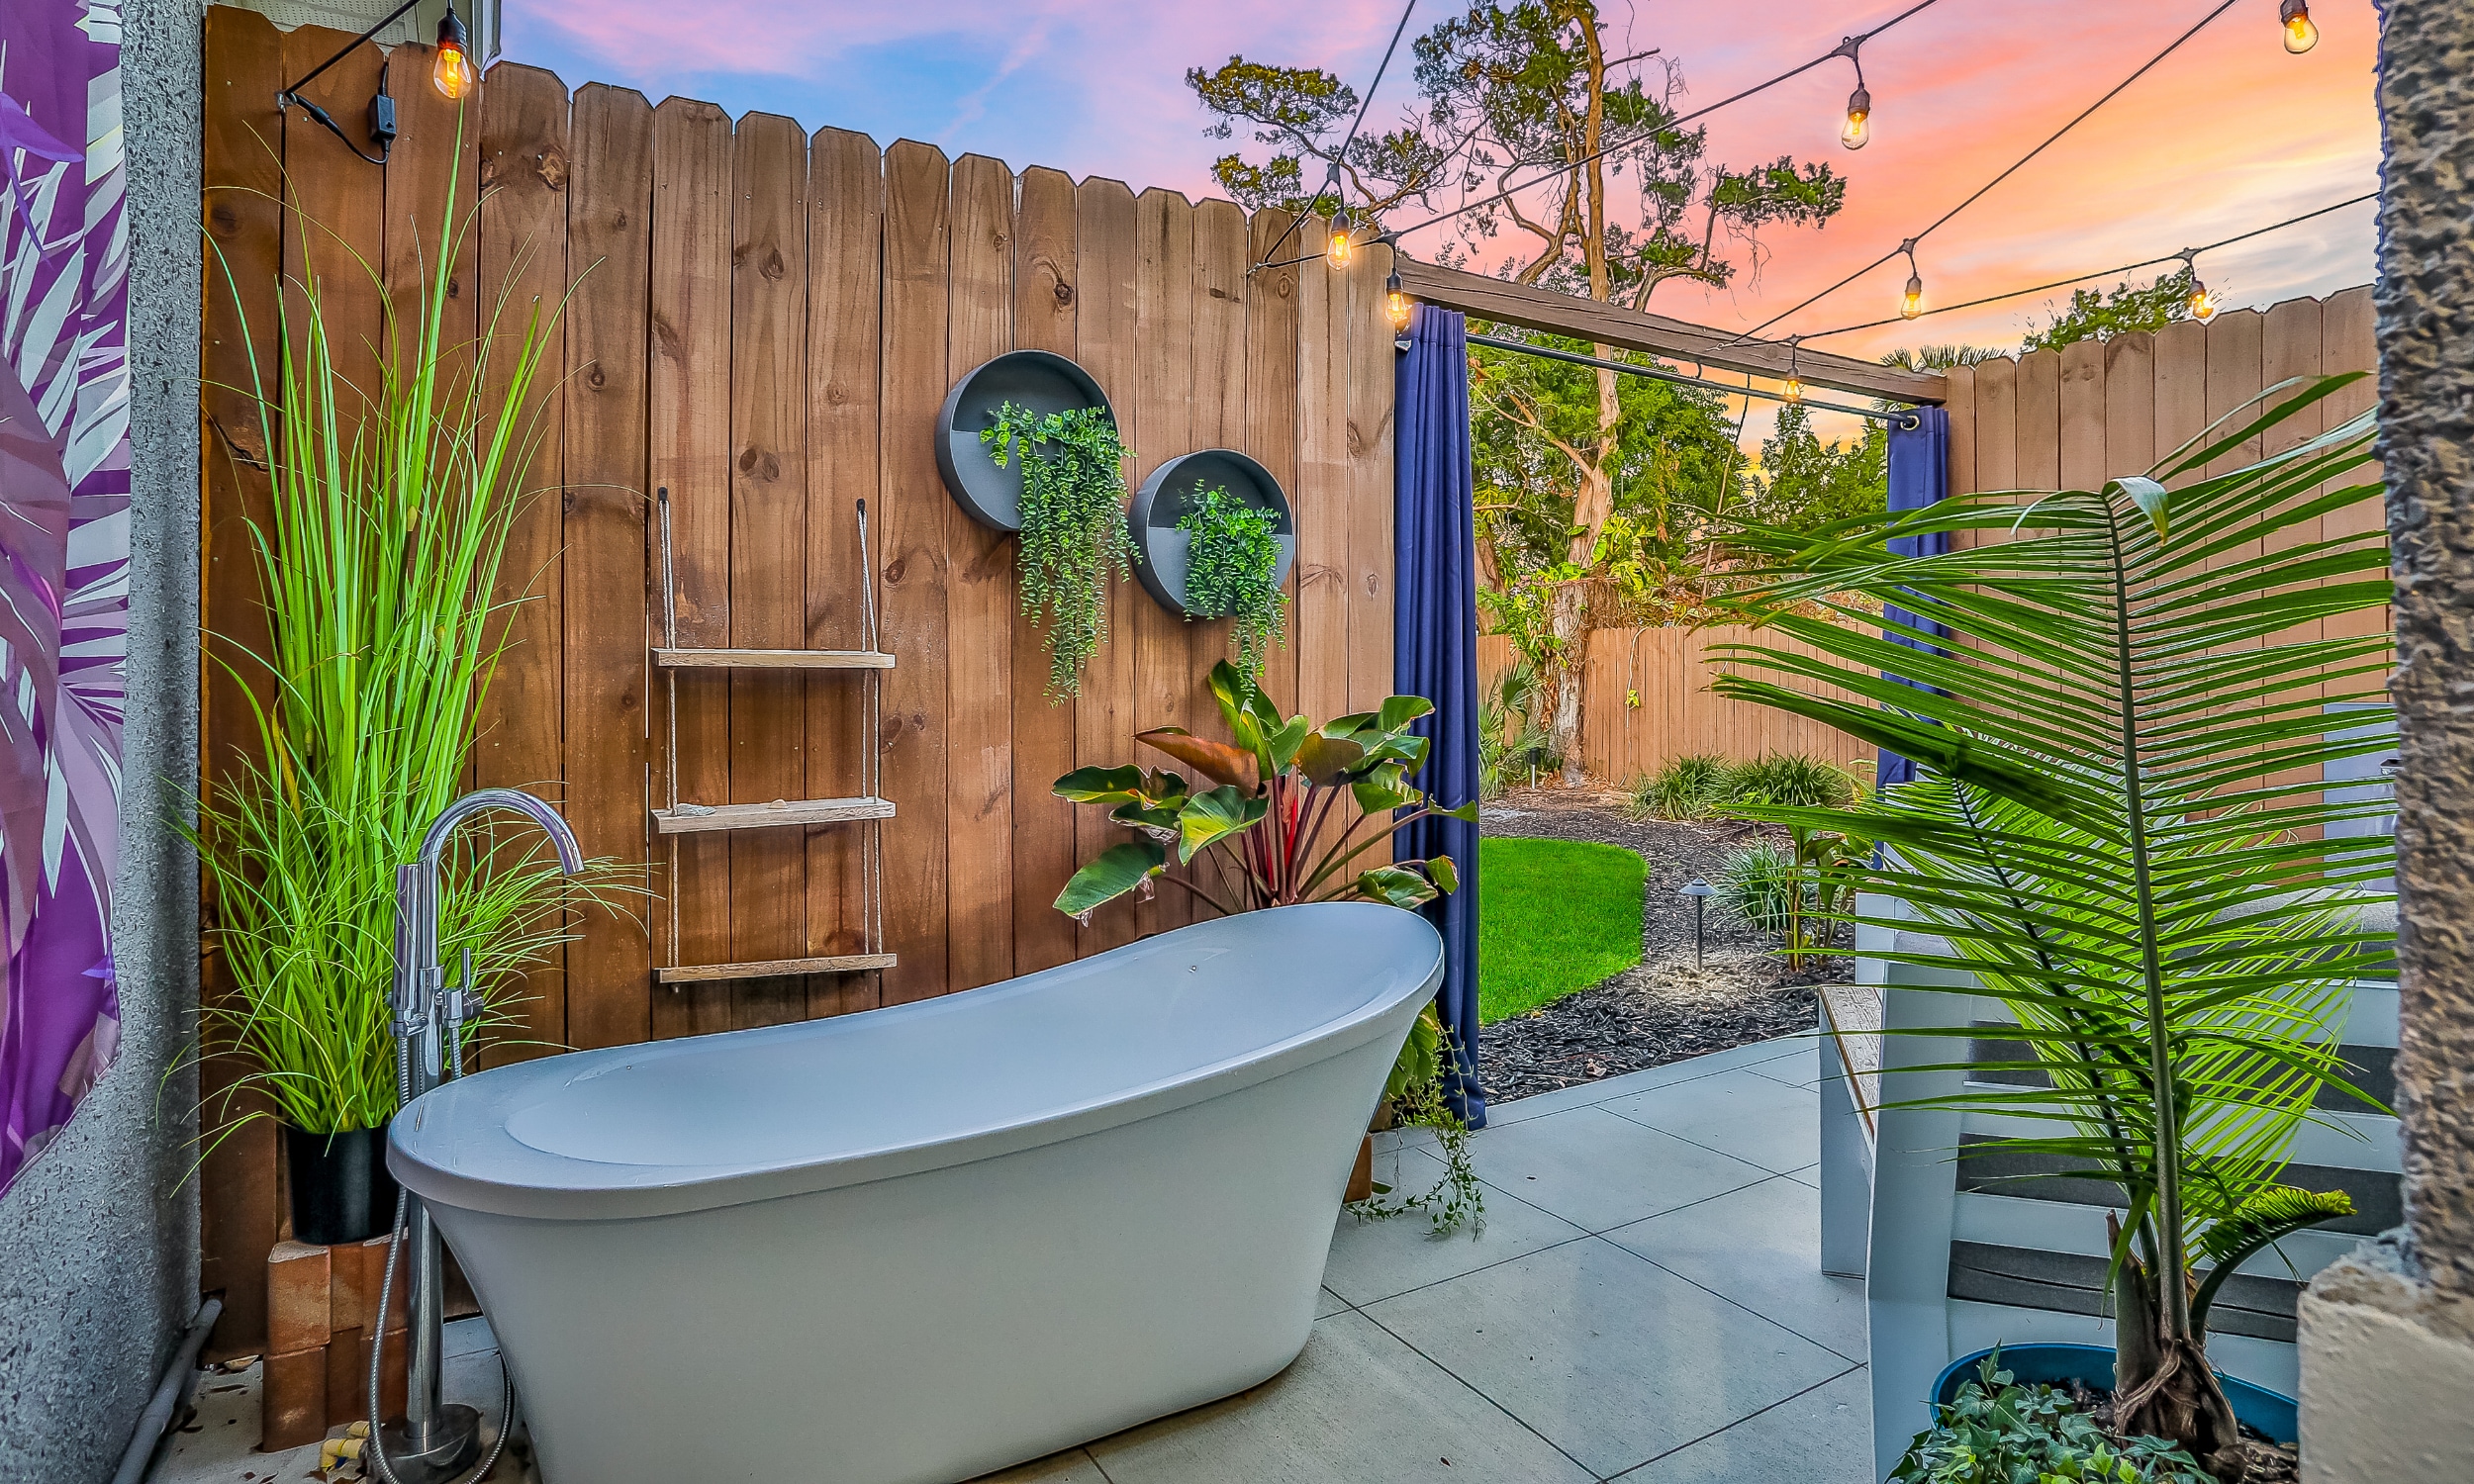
<point x="437" y="1441"/>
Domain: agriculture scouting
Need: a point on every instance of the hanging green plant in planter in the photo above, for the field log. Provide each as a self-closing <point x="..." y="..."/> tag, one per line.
<point x="1232" y="570"/>
<point x="1073" y="526"/>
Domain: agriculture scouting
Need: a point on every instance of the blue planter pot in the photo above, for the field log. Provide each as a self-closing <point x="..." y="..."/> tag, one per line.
<point x="2091" y="1366"/>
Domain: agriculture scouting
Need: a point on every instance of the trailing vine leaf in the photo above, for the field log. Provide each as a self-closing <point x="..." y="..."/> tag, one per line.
<point x="1232" y="570"/>
<point x="1073" y="526"/>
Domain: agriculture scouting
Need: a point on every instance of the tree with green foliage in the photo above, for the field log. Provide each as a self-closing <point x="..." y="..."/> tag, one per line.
<point x="1803" y="484"/>
<point x="1670" y="470"/>
<point x="2126" y="310"/>
<point x="1525" y="93"/>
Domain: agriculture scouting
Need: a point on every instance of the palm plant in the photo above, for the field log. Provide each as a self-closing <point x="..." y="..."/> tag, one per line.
<point x="389" y="514"/>
<point x="2118" y="830"/>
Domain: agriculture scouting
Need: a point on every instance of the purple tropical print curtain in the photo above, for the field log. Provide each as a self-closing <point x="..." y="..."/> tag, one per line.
<point x="64" y="557"/>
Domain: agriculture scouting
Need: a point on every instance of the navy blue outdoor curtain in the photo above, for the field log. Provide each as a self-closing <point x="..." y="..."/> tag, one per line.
<point x="1919" y="477"/>
<point x="1435" y="650"/>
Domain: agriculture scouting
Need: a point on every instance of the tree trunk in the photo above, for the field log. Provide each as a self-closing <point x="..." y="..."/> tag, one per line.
<point x="1571" y="665"/>
<point x="2162" y="1384"/>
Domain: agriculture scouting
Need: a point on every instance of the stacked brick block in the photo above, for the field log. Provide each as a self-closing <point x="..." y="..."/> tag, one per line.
<point x="321" y="1308"/>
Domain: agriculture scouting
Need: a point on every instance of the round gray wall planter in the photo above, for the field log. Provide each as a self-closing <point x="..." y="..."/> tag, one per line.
<point x="1040" y="380"/>
<point x="1161" y="502"/>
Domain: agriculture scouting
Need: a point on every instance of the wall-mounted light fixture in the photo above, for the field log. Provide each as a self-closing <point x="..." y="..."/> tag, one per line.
<point x="451" y="73"/>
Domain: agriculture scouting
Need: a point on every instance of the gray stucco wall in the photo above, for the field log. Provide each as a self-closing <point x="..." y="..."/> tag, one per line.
<point x="99" y="1237"/>
<point x="2425" y="299"/>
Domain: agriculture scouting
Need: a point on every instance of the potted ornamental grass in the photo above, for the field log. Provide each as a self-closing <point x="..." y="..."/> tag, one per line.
<point x="388" y="515"/>
<point x="1291" y="812"/>
<point x="2118" y="703"/>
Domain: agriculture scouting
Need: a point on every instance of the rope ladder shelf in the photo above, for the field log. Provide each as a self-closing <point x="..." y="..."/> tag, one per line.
<point x="870" y="808"/>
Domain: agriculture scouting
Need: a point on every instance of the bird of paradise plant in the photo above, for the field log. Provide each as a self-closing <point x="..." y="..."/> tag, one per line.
<point x="2118" y="830"/>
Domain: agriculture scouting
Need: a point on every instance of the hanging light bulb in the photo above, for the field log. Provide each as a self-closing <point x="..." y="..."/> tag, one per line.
<point x="2300" y="35"/>
<point x="1338" y="247"/>
<point x="1395" y="301"/>
<point x="1912" y="302"/>
<point x="452" y="73"/>
<point x="1793" y="392"/>
<point x="1858" y="131"/>
<point x="2203" y="306"/>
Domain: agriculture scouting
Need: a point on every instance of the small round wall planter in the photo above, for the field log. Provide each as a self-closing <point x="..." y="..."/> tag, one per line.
<point x="2091" y="1366"/>
<point x="1160" y="501"/>
<point x="1039" y="379"/>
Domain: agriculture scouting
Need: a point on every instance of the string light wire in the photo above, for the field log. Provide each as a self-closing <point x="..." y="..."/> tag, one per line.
<point x="1331" y="179"/>
<point x="2062" y="283"/>
<point x="1980" y="193"/>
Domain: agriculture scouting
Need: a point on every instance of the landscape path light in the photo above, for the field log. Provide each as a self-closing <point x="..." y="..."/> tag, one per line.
<point x="1700" y="892"/>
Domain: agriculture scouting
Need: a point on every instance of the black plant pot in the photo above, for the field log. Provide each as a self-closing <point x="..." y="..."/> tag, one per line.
<point x="340" y="1188"/>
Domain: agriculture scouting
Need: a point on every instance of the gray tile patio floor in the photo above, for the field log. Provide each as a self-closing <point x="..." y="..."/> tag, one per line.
<point x="1646" y="1304"/>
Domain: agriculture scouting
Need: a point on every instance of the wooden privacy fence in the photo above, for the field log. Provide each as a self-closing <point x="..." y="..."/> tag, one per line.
<point x="2069" y="418"/>
<point x="765" y="322"/>
<point x="1646" y="698"/>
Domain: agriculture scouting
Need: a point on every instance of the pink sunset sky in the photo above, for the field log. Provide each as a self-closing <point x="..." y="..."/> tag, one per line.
<point x="2229" y="134"/>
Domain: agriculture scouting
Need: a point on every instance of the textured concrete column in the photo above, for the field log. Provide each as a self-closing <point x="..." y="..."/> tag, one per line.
<point x="2388" y="1337"/>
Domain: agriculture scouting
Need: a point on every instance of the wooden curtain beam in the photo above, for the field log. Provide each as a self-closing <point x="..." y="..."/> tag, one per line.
<point x="1675" y="339"/>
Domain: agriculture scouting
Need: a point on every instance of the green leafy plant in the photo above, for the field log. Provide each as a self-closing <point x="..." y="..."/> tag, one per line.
<point x="1683" y="788"/>
<point x="1997" y="1431"/>
<point x="1232" y="570"/>
<point x="1763" y="884"/>
<point x="2118" y="831"/>
<point x="1074" y="532"/>
<point x="388" y="511"/>
<point x="1414" y="1093"/>
<point x="1788" y="778"/>
<point x="1293" y="809"/>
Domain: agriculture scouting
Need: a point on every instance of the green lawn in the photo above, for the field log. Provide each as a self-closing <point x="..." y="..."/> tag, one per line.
<point x="1552" y="916"/>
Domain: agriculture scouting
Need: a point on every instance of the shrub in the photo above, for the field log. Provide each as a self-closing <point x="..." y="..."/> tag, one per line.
<point x="1509" y="739"/>
<point x="1996" y="1432"/>
<point x="1759" y="885"/>
<point x="1790" y="779"/>
<point x="1687" y="788"/>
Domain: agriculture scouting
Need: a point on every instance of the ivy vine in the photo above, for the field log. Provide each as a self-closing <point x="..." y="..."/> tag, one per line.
<point x="1073" y="526"/>
<point x="1232" y="570"/>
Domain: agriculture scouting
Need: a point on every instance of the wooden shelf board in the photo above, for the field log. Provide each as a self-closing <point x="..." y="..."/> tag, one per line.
<point x="698" y="974"/>
<point x="780" y="814"/>
<point x="772" y="659"/>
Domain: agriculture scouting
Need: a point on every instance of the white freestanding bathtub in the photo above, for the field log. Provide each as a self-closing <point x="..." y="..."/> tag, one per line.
<point x="920" y="1244"/>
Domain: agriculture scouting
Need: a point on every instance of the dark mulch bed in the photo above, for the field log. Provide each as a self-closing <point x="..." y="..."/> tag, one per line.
<point x="1667" y="1008"/>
